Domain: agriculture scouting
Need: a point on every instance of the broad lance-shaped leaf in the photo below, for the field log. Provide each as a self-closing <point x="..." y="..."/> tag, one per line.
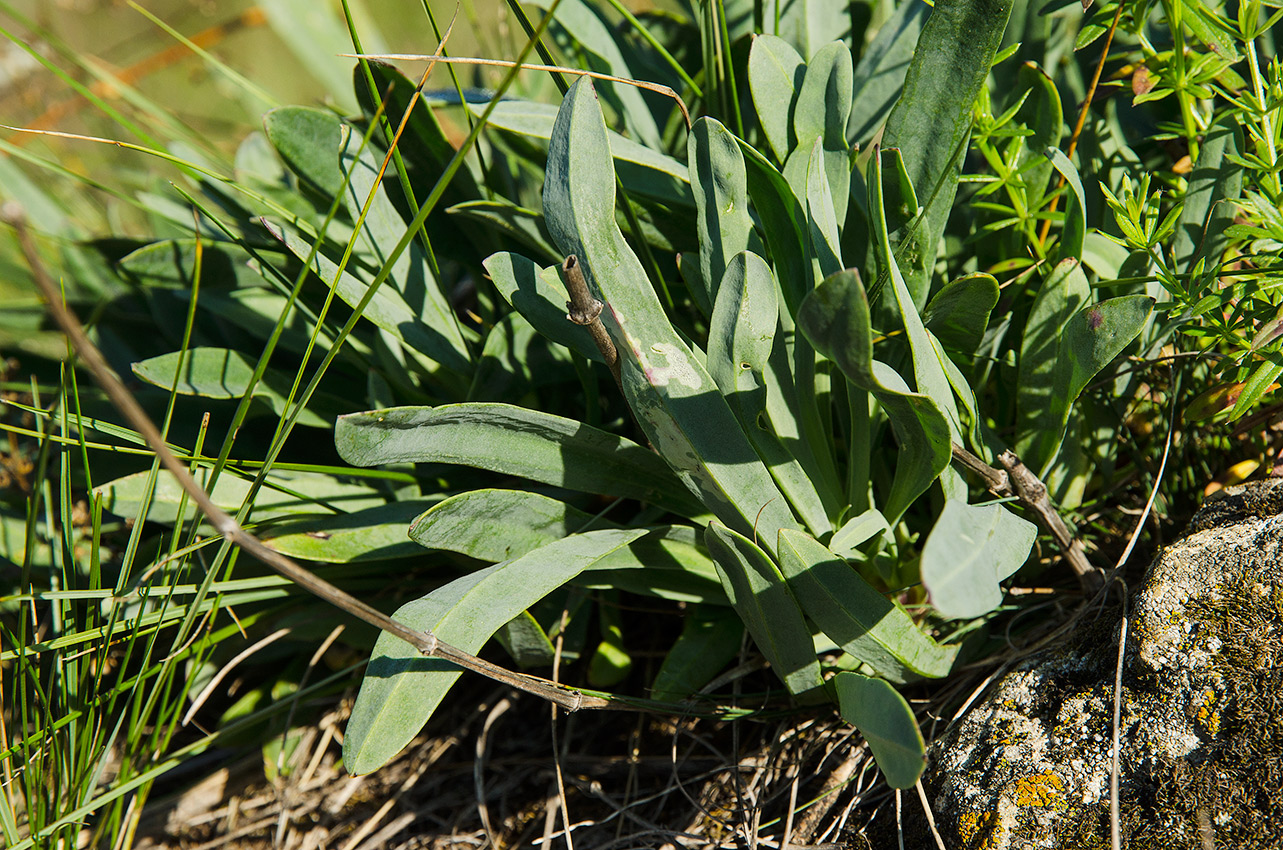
<point x="643" y="171"/>
<point x="931" y="121"/>
<point x="958" y="314"/>
<point x="826" y="246"/>
<point x="856" y="617"/>
<point x="539" y="295"/>
<point x="498" y="525"/>
<point x="879" y="78"/>
<point x="928" y="370"/>
<point x="1090" y="342"/>
<point x="885" y="720"/>
<point x="741" y="338"/>
<point x="721" y="199"/>
<point x="387" y="309"/>
<point x="835" y="318"/>
<point x="820" y="115"/>
<point x="1216" y="181"/>
<point x="411" y="277"/>
<point x="672" y="395"/>
<point x="513" y="441"/>
<point x="808" y="25"/>
<point x="373" y="534"/>
<point x="306" y="138"/>
<point x="1044" y="115"/>
<point x="402" y="688"/>
<point x="284" y="494"/>
<point x="784" y="222"/>
<point x="1075" y="229"/>
<point x="969" y="551"/>
<point x="775" y="72"/>
<point x="1063" y="293"/>
<point x="770" y="613"/>
<point x="223" y="373"/>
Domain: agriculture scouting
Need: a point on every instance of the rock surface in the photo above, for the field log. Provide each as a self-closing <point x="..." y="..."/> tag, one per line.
<point x="1201" y="736"/>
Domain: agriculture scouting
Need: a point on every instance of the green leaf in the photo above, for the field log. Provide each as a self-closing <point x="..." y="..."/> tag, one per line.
<point x="856" y="531"/>
<point x="387" y="309"/>
<point x="719" y="183"/>
<point x="931" y="121"/>
<point x="671" y="394"/>
<point x="224" y="374"/>
<point x="610" y="662"/>
<point x="1043" y="114"/>
<point x="821" y="112"/>
<point x="513" y="441"/>
<point x="540" y="296"/>
<point x="928" y="368"/>
<point x="1075" y="230"/>
<point x="1215" y="182"/>
<point x="402" y="688"/>
<point x="411" y="277"/>
<point x="592" y="35"/>
<point x="879" y="78"/>
<point x="526" y="642"/>
<point x="741" y="339"/>
<point x="835" y="318"/>
<point x="863" y="622"/>
<point x="775" y="73"/>
<point x="667" y="563"/>
<point x="171" y="264"/>
<point x="958" y="314"/>
<point x="770" y="613"/>
<point x="308" y="140"/>
<point x="887" y="723"/>
<point x="1063" y="293"/>
<point x="496" y="525"/>
<point x="969" y="551"/>
<point x="373" y="534"/>
<point x="1088" y="343"/>
<point x="710" y="640"/>
<point x="784" y="223"/>
<point x="826" y="245"/>
<point x="642" y="170"/>
<point x="283" y="495"/>
<point x="1261" y="382"/>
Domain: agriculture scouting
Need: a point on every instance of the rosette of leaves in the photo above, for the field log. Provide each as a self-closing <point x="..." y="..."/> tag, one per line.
<point x="794" y="420"/>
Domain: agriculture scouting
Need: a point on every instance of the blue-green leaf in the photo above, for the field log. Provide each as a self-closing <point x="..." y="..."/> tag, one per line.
<point x="672" y="395"/>
<point x="1215" y="182"/>
<point x="887" y="723"/>
<point x="931" y="121"/>
<point x="775" y="73"/>
<point x="879" y="78"/>
<point x="969" y="551"/>
<point x="835" y="318"/>
<point x="710" y="639"/>
<point x="719" y="183"/>
<point x="856" y="617"/>
<point x="1075" y="230"/>
<point x="513" y="441"/>
<point x="402" y="688"/>
<point x="770" y="613"/>
<point x="539" y="295"/>
<point x="741" y="339"/>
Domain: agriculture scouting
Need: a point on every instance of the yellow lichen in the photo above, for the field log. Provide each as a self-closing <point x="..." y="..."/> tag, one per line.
<point x="1209" y="713"/>
<point x="1044" y="790"/>
<point x="980" y="830"/>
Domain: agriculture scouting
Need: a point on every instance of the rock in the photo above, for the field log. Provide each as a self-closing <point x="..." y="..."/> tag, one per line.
<point x="1201" y="741"/>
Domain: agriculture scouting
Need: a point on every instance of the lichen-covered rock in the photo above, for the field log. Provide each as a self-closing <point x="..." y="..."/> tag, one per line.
<point x="1201" y="737"/>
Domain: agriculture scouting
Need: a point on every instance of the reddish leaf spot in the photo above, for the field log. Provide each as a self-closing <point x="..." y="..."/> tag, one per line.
<point x="1094" y="319"/>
